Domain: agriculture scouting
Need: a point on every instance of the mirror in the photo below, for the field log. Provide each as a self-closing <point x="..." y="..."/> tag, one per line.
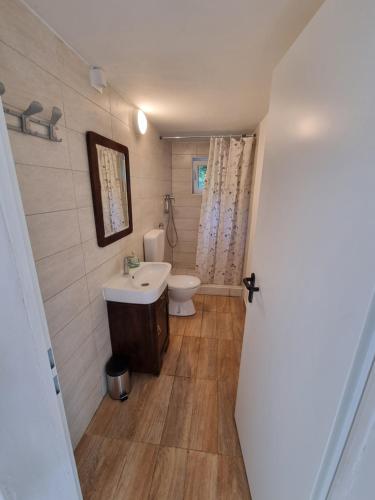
<point x="110" y="184"/>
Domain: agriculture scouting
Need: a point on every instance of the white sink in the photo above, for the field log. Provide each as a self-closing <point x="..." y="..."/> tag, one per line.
<point x="143" y="285"/>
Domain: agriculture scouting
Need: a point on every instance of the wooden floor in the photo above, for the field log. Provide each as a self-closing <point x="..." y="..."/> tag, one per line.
<point x="175" y="438"/>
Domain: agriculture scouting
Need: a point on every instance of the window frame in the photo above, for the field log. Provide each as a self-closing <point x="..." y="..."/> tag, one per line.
<point x="197" y="162"/>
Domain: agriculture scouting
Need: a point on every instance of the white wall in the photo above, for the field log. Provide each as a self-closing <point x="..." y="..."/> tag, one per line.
<point x="56" y="194"/>
<point x="260" y="132"/>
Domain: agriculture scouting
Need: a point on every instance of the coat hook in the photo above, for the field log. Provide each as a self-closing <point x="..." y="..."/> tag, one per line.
<point x="34" y="108"/>
<point x="55" y="117"/>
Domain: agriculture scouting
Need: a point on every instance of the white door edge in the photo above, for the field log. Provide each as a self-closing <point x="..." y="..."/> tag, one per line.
<point x="13" y="213"/>
<point x="348" y="408"/>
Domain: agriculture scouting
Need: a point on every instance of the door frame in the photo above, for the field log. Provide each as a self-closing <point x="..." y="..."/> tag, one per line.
<point x="351" y="400"/>
<point x="25" y="272"/>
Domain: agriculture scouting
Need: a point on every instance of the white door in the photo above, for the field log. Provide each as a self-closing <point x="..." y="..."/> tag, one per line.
<point x="314" y="255"/>
<point x="36" y="459"/>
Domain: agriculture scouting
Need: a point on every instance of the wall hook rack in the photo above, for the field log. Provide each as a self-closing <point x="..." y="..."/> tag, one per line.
<point x="27" y="117"/>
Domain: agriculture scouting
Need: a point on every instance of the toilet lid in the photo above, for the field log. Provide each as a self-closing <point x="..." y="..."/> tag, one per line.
<point x="183" y="281"/>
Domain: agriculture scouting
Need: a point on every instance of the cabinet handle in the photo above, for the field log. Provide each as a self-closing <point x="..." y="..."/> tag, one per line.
<point x="158" y="330"/>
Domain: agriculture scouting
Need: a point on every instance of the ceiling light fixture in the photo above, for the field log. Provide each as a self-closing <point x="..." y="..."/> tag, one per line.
<point x="141" y="122"/>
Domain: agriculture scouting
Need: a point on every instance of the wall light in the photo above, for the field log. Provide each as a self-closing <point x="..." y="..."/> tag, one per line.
<point x="141" y="122"/>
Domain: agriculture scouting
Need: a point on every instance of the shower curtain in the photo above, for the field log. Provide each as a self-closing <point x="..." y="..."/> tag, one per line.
<point x="224" y="211"/>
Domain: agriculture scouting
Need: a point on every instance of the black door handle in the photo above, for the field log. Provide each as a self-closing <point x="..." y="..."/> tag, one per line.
<point x="250" y="285"/>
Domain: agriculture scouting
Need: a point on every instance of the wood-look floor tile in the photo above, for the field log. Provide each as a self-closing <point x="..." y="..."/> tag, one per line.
<point x="228" y="443"/>
<point x="223" y="304"/>
<point x="169" y="476"/>
<point x="125" y="418"/>
<point x="238" y="323"/>
<point x="204" y="421"/>
<point x="228" y="359"/>
<point x="177" y="325"/>
<point x="87" y="456"/>
<point x="177" y="425"/>
<point x="232" y="480"/>
<point x="151" y="420"/>
<point x="208" y="324"/>
<point x="198" y="302"/>
<point x="193" y="325"/>
<point x="188" y="359"/>
<point x="209" y="303"/>
<point x="110" y="459"/>
<point x="224" y="326"/>
<point x="207" y="359"/>
<point x="201" y="480"/>
<point x="237" y="306"/>
<point x="172" y="354"/>
<point x="103" y="417"/>
<point x="135" y="480"/>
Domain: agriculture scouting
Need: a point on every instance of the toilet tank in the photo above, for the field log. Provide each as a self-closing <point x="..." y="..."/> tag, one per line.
<point x="154" y="245"/>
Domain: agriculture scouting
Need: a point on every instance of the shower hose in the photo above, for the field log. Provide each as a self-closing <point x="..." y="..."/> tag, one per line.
<point x="171" y="227"/>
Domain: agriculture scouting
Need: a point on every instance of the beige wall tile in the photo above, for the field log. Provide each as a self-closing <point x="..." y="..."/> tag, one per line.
<point x="95" y="256"/>
<point x="187" y="224"/>
<point x="203" y="148"/>
<point x="82" y="115"/>
<point x="68" y="340"/>
<point x="64" y="306"/>
<point x="29" y="150"/>
<point x="77" y="150"/>
<point x="187" y="235"/>
<point x="184" y="148"/>
<point x="82" y="189"/>
<point x="45" y="189"/>
<point x="96" y="278"/>
<point x="187" y="213"/>
<point x="75" y="73"/>
<point x="182" y="175"/>
<point x="60" y="270"/>
<point x="120" y="108"/>
<point x="79" y="423"/>
<point x="86" y="223"/>
<point x="20" y="29"/>
<point x="98" y="309"/>
<point x="185" y="258"/>
<point x="182" y="161"/>
<point x="53" y="232"/>
<point x="39" y="85"/>
<point x="192" y="200"/>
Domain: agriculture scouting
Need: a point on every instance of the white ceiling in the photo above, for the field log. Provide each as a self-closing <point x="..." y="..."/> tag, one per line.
<point x="192" y="66"/>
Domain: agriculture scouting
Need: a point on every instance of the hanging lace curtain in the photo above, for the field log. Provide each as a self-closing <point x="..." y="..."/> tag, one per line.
<point x="224" y="211"/>
<point x="114" y="196"/>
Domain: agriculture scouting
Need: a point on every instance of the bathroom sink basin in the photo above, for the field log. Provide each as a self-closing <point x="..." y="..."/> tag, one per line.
<point x="143" y="285"/>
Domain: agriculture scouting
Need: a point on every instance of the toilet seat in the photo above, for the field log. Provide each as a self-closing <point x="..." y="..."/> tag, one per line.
<point x="183" y="281"/>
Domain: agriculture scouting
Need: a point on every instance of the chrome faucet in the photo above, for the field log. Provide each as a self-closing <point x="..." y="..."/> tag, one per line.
<point x="126" y="265"/>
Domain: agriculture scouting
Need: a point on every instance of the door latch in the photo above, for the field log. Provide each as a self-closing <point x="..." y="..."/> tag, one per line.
<point x="250" y="285"/>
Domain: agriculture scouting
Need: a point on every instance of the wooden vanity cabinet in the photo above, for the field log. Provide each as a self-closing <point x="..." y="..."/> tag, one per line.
<point x="140" y="333"/>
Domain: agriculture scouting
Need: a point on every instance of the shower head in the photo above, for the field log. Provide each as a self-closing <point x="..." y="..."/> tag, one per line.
<point x="34" y="108"/>
<point x="56" y="115"/>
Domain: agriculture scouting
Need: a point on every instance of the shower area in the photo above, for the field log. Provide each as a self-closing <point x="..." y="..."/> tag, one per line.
<point x="200" y="223"/>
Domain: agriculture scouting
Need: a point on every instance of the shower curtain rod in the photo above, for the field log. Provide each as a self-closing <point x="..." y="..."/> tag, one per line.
<point x="205" y="136"/>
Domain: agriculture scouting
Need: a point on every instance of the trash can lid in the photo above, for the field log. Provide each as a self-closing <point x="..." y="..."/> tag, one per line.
<point x="116" y="366"/>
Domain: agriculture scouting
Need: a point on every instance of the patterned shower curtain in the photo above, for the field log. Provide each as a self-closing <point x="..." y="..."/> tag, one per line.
<point x="224" y="211"/>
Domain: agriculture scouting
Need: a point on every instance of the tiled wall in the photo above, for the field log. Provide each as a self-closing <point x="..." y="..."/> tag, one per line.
<point x="187" y="205"/>
<point x="55" y="188"/>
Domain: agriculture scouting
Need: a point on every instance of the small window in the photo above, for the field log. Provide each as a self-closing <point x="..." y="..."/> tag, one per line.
<point x="199" y="174"/>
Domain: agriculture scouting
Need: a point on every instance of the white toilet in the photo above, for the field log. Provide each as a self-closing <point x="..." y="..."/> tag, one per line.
<point x="181" y="287"/>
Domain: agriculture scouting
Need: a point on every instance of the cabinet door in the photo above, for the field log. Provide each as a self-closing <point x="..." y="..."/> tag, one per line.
<point x="162" y="327"/>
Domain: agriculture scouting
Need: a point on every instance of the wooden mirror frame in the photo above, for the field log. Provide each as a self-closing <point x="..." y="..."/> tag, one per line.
<point x="92" y="140"/>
